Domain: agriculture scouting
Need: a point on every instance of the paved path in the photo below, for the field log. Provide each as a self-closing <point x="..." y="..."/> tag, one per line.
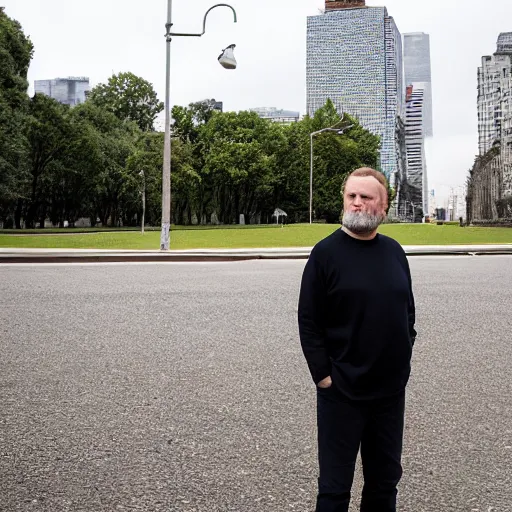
<point x="181" y="387"/>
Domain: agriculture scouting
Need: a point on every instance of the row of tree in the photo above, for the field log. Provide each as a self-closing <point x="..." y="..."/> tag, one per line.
<point x="64" y="163"/>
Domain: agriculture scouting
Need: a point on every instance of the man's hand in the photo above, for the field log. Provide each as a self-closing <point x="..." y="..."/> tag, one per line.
<point x="326" y="383"/>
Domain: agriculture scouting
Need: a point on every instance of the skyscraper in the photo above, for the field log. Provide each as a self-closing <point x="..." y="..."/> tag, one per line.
<point x="495" y="98"/>
<point x="354" y="58"/>
<point x="417" y="68"/>
<point x="416" y="193"/>
<point x="69" y="91"/>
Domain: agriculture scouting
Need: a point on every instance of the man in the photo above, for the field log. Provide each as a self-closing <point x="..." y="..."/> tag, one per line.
<point x="356" y="322"/>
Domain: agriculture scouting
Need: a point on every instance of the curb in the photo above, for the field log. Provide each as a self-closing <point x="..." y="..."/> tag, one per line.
<point x="10" y="255"/>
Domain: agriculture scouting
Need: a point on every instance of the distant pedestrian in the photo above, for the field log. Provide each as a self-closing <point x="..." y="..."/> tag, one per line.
<point x="356" y="322"/>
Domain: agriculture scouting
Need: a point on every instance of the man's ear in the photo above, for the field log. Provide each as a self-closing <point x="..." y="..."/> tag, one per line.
<point x="384" y="200"/>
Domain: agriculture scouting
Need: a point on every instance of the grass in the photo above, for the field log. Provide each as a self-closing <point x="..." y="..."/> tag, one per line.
<point x="297" y="235"/>
<point x="60" y="231"/>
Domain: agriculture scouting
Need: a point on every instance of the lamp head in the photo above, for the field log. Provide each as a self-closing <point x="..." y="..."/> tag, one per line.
<point x="227" y="57"/>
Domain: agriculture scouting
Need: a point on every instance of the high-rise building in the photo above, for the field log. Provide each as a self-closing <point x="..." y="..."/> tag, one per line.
<point x="354" y="58"/>
<point x="277" y="116"/>
<point x="69" y="91"/>
<point x="495" y="98"/>
<point x="417" y="68"/>
<point x="415" y="197"/>
<point x="490" y="181"/>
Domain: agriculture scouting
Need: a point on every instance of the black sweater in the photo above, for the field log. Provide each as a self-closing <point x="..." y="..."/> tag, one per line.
<point x="356" y="315"/>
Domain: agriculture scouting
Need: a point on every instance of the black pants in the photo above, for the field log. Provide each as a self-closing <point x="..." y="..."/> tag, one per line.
<point x="344" y="426"/>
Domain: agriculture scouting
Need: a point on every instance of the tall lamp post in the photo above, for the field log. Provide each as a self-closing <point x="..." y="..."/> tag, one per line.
<point x="338" y="131"/>
<point x="227" y="60"/>
<point x="143" y="175"/>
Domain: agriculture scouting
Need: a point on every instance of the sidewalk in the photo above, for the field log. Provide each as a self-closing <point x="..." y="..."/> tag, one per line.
<point x="15" y="255"/>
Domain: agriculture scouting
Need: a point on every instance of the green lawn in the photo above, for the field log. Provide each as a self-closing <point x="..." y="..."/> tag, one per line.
<point x="298" y="235"/>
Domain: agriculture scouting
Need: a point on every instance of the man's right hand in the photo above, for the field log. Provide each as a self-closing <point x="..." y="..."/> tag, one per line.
<point x="325" y="383"/>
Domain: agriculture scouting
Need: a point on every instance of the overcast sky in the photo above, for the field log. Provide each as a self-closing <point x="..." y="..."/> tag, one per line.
<point x="99" y="37"/>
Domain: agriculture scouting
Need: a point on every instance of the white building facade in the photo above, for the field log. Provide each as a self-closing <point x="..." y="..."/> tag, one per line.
<point x="275" y="115"/>
<point x="69" y="91"/>
<point x="495" y="98"/>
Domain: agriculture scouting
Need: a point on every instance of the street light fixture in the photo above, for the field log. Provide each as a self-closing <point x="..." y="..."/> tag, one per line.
<point x="227" y="57"/>
<point x="226" y="60"/>
<point x="338" y="131"/>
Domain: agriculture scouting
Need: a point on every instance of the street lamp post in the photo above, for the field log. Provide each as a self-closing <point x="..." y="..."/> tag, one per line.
<point x="143" y="175"/>
<point x="228" y="61"/>
<point x="412" y="217"/>
<point x="338" y="131"/>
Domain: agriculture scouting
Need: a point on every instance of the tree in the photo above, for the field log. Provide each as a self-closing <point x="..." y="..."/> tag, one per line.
<point x="240" y="163"/>
<point x="236" y="163"/>
<point x="336" y="156"/>
<point x="188" y="120"/>
<point x="112" y="184"/>
<point x="325" y="117"/>
<point x="129" y="97"/>
<point x="48" y="133"/>
<point x="291" y="190"/>
<point x="147" y="159"/>
<point x="15" y="55"/>
<point x="192" y="188"/>
<point x="13" y="163"/>
<point x="79" y="165"/>
<point x="71" y="184"/>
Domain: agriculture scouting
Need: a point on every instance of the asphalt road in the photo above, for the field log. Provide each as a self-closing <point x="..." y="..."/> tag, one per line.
<point x="182" y="387"/>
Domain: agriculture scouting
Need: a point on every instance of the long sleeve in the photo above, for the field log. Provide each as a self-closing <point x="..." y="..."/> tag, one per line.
<point x="311" y="306"/>
<point x="411" y="307"/>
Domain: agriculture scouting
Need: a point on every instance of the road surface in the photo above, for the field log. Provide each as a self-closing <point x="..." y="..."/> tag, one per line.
<point x="182" y="387"/>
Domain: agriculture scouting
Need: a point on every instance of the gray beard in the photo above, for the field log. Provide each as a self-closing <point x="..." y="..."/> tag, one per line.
<point x="362" y="223"/>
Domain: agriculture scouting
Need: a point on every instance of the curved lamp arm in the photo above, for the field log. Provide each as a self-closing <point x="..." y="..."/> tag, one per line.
<point x="339" y="131"/>
<point x="170" y="34"/>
